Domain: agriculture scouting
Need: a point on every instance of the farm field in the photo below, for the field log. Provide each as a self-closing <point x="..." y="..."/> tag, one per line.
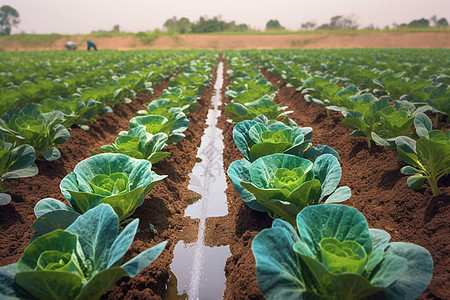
<point x="247" y="41"/>
<point x="410" y="82"/>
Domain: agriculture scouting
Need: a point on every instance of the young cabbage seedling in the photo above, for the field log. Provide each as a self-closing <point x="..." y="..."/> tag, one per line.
<point x="428" y="159"/>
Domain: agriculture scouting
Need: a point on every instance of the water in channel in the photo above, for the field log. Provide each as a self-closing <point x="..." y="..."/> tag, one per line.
<point x="197" y="270"/>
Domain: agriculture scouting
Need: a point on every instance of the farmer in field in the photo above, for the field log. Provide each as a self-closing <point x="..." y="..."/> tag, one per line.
<point x="70" y="46"/>
<point x="90" y="44"/>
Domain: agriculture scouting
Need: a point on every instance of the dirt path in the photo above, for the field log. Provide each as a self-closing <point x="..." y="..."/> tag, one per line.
<point x="285" y="41"/>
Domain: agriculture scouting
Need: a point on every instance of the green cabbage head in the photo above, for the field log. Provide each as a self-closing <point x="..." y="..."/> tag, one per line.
<point x="81" y="262"/>
<point x="284" y="184"/>
<point x="255" y="139"/>
<point x="138" y="143"/>
<point x="173" y="123"/>
<point x="111" y="178"/>
<point x="260" y="137"/>
<point x="334" y="255"/>
<point x="43" y="131"/>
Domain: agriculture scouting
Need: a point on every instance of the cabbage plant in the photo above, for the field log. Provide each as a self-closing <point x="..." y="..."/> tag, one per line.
<point x="172" y="124"/>
<point x="260" y="137"/>
<point x="75" y="110"/>
<point x="379" y="121"/>
<point x="42" y="131"/>
<point x="115" y="179"/>
<point x="249" y="90"/>
<point x="180" y="92"/>
<point x="334" y="255"/>
<point x="255" y="140"/>
<point x="162" y="106"/>
<point x="15" y="162"/>
<point x="138" y="143"/>
<point x="81" y="262"/>
<point x="428" y="159"/>
<point x="250" y="110"/>
<point x="284" y="184"/>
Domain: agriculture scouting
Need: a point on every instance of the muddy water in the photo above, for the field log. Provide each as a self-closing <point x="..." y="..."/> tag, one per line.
<point x="197" y="271"/>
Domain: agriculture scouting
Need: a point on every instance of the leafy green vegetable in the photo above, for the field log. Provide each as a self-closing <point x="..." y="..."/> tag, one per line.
<point x="397" y="86"/>
<point x="250" y="110"/>
<point x="438" y="99"/>
<point x="172" y="124"/>
<point x="75" y="110"/>
<point x="15" y="162"/>
<point x="255" y="140"/>
<point x="284" y="184"/>
<point x="250" y="90"/>
<point x="82" y="262"/>
<point x="138" y="143"/>
<point x="190" y="81"/>
<point x="111" y="178"/>
<point x="260" y="137"/>
<point x="42" y="131"/>
<point x="428" y="159"/>
<point x="334" y="255"/>
<point x="380" y="121"/>
<point x="162" y="106"/>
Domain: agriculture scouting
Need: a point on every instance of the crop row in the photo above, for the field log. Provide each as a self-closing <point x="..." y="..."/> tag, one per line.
<point x="104" y="79"/>
<point x="383" y="119"/>
<point x="386" y="74"/>
<point x="103" y="191"/>
<point x="311" y="250"/>
<point x="39" y="128"/>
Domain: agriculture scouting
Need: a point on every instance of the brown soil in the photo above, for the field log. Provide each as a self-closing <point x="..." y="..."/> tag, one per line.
<point x="357" y="40"/>
<point x="379" y="192"/>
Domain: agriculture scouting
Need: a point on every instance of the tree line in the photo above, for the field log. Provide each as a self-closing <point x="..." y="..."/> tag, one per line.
<point x="203" y="25"/>
<point x="215" y="24"/>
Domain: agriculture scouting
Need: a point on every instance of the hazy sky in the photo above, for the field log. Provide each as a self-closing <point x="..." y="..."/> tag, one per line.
<point x="84" y="16"/>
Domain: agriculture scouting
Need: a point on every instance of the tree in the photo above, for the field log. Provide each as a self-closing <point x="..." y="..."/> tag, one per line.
<point x="273" y="25"/>
<point x="116" y="28"/>
<point x="442" y="22"/>
<point x="171" y="24"/>
<point x="419" y="23"/>
<point x="203" y="25"/>
<point x="341" y="22"/>
<point x="9" y="17"/>
<point x="184" y="25"/>
<point x="308" y="25"/>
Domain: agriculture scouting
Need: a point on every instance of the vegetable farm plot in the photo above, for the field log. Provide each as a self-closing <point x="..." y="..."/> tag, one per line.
<point x="314" y="210"/>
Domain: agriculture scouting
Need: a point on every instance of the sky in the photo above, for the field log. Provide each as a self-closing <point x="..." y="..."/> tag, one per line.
<point x="84" y="16"/>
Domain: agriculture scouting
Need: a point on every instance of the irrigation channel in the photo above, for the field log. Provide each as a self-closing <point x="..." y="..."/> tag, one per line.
<point x="197" y="270"/>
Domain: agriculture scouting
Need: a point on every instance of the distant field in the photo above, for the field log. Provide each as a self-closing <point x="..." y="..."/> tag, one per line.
<point x="238" y="41"/>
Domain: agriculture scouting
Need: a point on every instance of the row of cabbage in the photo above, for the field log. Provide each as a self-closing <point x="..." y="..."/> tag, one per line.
<point x="40" y="128"/>
<point x="312" y="250"/>
<point x="77" y="250"/>
<point x="59" y="76"/>
<point x="420" y="76"/>
<point x="379" y="117"/>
